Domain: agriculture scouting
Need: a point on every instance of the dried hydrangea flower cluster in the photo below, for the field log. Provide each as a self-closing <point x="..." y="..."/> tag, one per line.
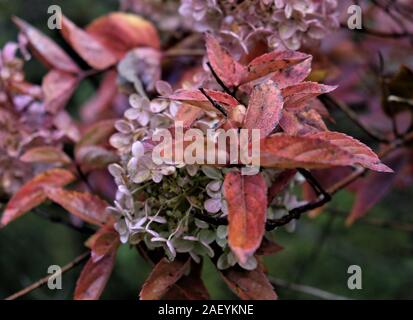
<point x="282" y="23"/>
<point x="161" y="205"/>
<point x="23" y="120"/>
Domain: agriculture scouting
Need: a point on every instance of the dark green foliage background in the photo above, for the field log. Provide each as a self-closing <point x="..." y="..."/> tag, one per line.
<point x="317" y="254"/>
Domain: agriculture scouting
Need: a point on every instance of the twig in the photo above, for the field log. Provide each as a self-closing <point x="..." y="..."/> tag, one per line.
<point x="328" y="100"/>
<point x="214" y="103"/>
<point x="315" y="292"/>
<point x="78" y="260"/>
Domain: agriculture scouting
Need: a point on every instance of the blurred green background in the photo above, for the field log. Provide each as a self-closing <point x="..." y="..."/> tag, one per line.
<point x="317" y="254"/>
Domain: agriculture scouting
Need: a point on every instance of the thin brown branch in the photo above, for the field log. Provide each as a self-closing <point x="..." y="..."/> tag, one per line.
<point x="75" y="262"/>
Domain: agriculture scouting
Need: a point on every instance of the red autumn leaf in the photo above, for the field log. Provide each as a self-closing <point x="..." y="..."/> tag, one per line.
<point x="188" y="115"/>
<point x="280" y="183"/>
<point x="58" y="87"/>
<point x="264" y="108"/>
<point x="97" y="134"/>
<point x="164" y="275"/>
<point x="33" y="194"/>
<point x="268" y="248"/>
<point x="189" y="287"/>
<point x="292" y="74"/>
<point x="121" y="32"/>
<point x="45" y="154"/>
<point x="197" y="99"/>
<point x="272" y="62"/>
<point x="86" y="206"/>
<point x="45" y="49"/>
<point x="104" y="241"/>
<point x="89" y="48"/>
<point x="374" y="187"/>
<point x="94" y="277"/>
<point x="302" y="122"/>
<point x="317" y="151"/>
<point x="296" y="96"/>
<point x="92" y="151"/>
<point x="224" y="65"/>
<point x="99" y="105"/>
<point x="247" y="209"/>
<point x="249" y="285"/>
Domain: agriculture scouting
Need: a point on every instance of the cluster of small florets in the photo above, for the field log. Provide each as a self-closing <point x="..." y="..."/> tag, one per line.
<point x="282" y="23"/>
<point x="165" y="205"/>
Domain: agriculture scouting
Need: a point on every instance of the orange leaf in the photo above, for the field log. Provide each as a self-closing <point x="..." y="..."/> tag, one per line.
<point x="45" y="49"/>
<point x="317" y="151"/>
<point x="224" y="65"/>
<point x="58" y="87"/>
<point x="264" y="108"/>
<point x="33" y="194"/>
<point x="86" y="206"/>
<point x="45" y="154"/>
<point x="94" y="277"/>
<point x="249" y="285"/>
<point x="247" y="209"/>
<point x="90" y="49"/>
<point x="164" y="275"/>
<point x="121" y="32"/>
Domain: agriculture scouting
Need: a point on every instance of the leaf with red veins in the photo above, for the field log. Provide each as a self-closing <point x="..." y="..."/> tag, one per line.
<point x="197" y="99"/>
<point x="120" y="32"/>
<point x="94" y="277"/>
<point x="298" y="95"/>
<point x="247" y="208"/>
<point x="45" y="49"/>
<point x="88" y="47"/>
<point x="374" y="187"/>
<point x="317" y="151"/>
<point x="86" y="206"/>
<point x="45" y="154"/>
<point x="33" y="193"/>
<point x="271" y="62"/>
<point x="164" y="275"/>
<point x="58" y="87"/>
<point x="249" y="285"/>
<point x="225" y="66"/>
<point x="264" y="108"/>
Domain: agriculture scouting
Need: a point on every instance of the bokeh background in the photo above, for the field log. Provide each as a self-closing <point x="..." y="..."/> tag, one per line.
<point x="317" y="254"/>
